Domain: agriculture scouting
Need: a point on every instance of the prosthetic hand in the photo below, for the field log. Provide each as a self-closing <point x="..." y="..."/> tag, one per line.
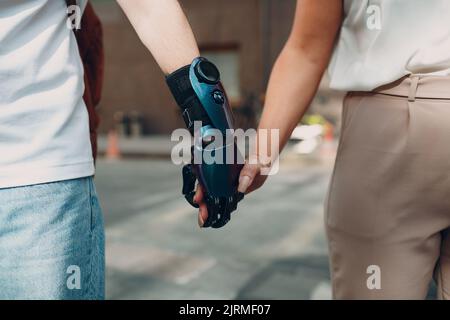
<point x="201" y="97"/>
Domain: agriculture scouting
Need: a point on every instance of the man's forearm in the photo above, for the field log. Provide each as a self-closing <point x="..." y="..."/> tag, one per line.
<point x="164" y="30"/>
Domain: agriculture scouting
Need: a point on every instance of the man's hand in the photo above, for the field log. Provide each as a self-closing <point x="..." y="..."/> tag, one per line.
<point x="250" y="179"/>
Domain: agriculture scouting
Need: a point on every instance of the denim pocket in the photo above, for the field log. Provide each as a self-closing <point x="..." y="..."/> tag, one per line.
<point x="92" y="204"/>
<point x="96" y="218"/>
<point x="96" y="287"/>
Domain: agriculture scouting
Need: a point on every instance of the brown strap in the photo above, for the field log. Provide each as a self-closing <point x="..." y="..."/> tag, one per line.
<point x="90" y="46"/>
<point x="71" y="3"/>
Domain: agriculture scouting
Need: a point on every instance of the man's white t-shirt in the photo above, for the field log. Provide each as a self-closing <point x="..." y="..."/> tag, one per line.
<point x="44" y="127"/>
<point x="384" y="40"/>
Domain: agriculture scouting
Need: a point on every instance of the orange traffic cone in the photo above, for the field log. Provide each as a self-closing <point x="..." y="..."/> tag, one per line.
<point x="113" y="149"/>
<point x="329" y="134"/>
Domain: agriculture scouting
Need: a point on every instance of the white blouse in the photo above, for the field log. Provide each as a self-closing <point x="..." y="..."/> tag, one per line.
<point x="384" y="40"/>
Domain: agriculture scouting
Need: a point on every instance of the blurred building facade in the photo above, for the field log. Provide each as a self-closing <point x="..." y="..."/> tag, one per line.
<point x="243" y="37"/>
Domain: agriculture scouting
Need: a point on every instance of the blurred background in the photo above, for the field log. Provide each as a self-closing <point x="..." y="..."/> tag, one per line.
<point x="274" y="247"/>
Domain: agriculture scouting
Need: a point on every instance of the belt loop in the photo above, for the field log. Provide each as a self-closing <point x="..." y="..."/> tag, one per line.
<point x="413" y="88"/>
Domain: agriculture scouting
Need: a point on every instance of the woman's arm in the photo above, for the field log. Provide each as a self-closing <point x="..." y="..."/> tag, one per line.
<point x="294" y="80"/>
<point x="297" y="74"/>
<point x="164" y="30"/>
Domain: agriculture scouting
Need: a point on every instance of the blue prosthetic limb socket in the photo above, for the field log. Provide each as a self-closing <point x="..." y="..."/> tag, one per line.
<point x="200" y="95"/>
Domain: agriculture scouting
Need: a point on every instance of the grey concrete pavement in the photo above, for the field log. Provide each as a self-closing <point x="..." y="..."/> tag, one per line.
<point x="273" y="248"/>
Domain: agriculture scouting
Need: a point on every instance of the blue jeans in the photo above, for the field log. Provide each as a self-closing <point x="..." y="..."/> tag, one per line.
<point x="52" y="242"/>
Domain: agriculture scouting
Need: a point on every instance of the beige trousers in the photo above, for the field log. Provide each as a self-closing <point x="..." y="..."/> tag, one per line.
<point x="388" y="206"/>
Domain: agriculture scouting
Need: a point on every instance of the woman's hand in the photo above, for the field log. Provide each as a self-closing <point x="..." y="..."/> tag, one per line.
<point x="294" y="80"/>
<point x="250" y="179"/>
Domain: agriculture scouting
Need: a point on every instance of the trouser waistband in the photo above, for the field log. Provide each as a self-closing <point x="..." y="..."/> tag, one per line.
<point x="415" y="86"/>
